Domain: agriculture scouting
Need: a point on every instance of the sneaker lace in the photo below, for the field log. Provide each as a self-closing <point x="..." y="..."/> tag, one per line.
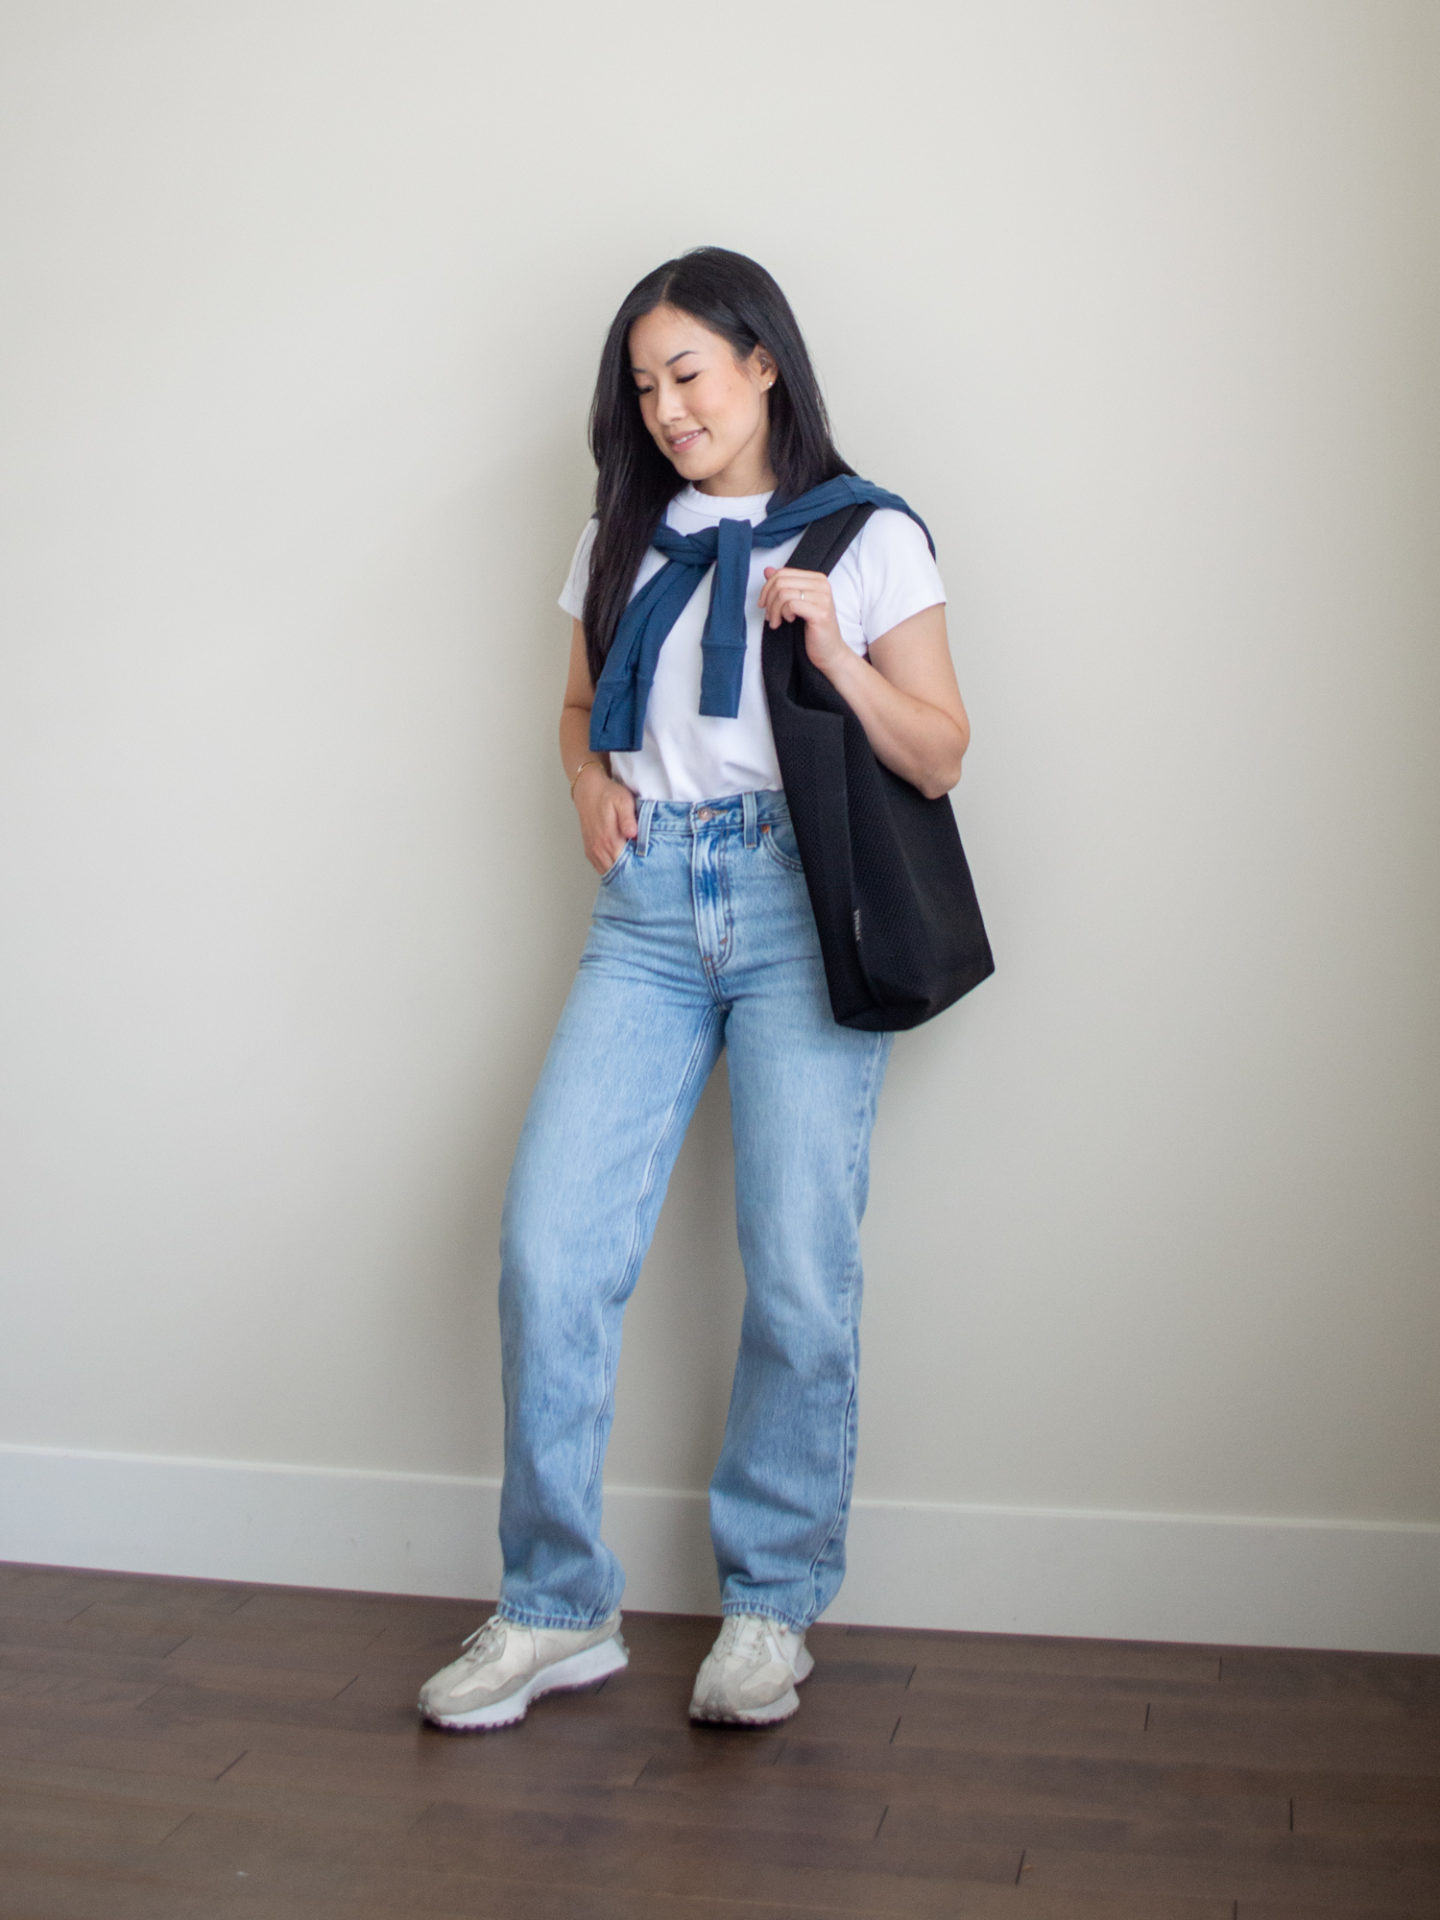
<point x="487" y="1640"/>
<point x="745" y="1635"/>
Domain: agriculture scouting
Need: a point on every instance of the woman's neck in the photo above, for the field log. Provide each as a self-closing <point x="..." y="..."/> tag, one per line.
<point x="741" y="480"/>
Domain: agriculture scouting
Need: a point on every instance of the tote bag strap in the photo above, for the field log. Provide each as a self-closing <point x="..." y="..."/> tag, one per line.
<point x="823" y="541"/>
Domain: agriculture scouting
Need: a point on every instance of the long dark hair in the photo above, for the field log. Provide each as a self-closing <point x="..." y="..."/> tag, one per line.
<point x="736" y="298"/>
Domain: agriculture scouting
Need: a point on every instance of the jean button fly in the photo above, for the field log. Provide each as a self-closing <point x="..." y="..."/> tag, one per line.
<point x="705" y="813"/>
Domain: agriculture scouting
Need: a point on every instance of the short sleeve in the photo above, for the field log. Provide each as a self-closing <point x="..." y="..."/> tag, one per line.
<point x="897" y="574"/>
<point x="572" y="595"/>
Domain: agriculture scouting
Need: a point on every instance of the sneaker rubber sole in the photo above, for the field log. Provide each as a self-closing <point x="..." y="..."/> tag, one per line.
<point x="767" y="1716"/>
<point x="570" y="1675"/>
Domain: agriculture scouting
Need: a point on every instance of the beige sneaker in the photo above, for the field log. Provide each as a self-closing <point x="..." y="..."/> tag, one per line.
<point x="749" y="1676"/>
<point x="505" y="1666"/>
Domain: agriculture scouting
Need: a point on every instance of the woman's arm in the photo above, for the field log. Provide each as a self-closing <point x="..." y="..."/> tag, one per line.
<point x="904" y="695"/>
<point x="605" y="805"/>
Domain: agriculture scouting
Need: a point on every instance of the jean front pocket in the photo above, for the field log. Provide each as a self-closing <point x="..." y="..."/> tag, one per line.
<point x="778" y="839"/>
<point x="622" y="860"/>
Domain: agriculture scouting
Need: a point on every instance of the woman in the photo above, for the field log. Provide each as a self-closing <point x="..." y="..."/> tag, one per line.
<point x="712" y="444"/>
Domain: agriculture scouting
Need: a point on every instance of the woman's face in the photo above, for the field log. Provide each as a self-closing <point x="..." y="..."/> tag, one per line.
<point x="708" y="412"/>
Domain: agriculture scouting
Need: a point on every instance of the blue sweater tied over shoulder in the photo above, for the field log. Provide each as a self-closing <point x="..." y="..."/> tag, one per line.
<point x="617" y="719"/>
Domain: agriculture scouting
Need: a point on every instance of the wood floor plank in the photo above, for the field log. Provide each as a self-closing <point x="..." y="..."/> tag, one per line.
<point x="33" y="1809"/>
<point x="1284" y="1672"/>
<point x="52" y="1891"/>
<point x="738" y="1810"/>
<point x="1078" y="1773"/>
<point x="175" y="1617"/>
<point x="512" y="1900"/>
<point x="1325" y="1885"/>
<point x="1041" y="1654"/>
<point x="1024" y="1902"/>
<point x="232" y="1642"/>
<point x="90" y="1584"/>
<point x="240" y="1680"/>
<point x="998" y="1789"/>
<point x="1378" y="1789"/>
<point x="19" y="1743"/>
<point x="75" y="1671"/>
<point x="204" y="1759"/>
<point x="81" y="1635"/>
<point x="315" y="1609"/>
<point x="24" y="1696"/>
<point x="1368" y="1705"/>
<point x="104" y="1855"/>
<point x="1103" y="1724"/>
<point x="189" y="1704"/>
<point x="491" y="1775"/>
<point x="298" y="1796"/>
<point x="1305" y="1909"/>
<point x="20" y="1573"/>
<point x="924" y="1835"/>
<point x="1379" y="1821"/>
<point x="831" y="1672"/>
<point x="237" y="1722"/>
<point x="142" y="1603"/>
<point x="626" y="1848"/>
<point x="955" y="1682"/>
<point x="1366" y="1736"/>
<point x="76" y="1662"/>
<point x="118" y="1589"/>
<point x="142" y="1594"/>
<point x="21" y="1604"/>
<point x="444" y="1765"/>
<point x="603" y="1855"/>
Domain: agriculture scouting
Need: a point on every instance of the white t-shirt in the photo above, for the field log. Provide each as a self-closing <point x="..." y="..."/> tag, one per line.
<point x="883" y="577"/>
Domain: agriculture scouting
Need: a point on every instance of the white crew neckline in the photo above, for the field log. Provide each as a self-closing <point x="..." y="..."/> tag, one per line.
<point x="725" y="506"/>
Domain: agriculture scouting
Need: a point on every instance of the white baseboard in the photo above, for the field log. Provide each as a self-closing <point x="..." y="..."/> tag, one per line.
<point x="1295" y="1583"/>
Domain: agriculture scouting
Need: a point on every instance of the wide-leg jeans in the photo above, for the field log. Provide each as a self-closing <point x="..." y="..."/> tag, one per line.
<point x="702" y="938"/>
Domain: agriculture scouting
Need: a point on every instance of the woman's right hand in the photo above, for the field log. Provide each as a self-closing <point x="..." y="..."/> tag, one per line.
<point x="607" y="816"/>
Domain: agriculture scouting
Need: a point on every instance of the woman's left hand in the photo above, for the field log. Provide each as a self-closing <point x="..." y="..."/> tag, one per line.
<point x="789" y="593"/>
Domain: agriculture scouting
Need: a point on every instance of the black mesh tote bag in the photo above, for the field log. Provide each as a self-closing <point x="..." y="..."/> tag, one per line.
<point x="899" y="924"/>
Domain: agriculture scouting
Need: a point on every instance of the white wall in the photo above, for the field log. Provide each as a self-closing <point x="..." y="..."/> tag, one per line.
<point x="1138" y="304"/>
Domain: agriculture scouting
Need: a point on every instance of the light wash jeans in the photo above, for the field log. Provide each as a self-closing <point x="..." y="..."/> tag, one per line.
<point x="702" y="938"/>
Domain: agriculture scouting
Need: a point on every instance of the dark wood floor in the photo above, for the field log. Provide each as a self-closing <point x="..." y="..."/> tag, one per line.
<point x="187" y="1750"/>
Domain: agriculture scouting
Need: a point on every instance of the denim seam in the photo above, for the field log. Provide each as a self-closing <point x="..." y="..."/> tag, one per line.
<point x="554" y="1622"/>
<point x="842" y="1505"/>
<point x="724" y="855"/>
<point x="734" y="1608"/>
<point x="711" y="967"/>
<point x="781" y="860"/>
<point x="608" y="1358"/>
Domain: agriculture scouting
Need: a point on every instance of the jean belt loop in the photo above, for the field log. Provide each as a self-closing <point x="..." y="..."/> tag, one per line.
<point x="642" y="833"/>
<point x="751" y="812"/>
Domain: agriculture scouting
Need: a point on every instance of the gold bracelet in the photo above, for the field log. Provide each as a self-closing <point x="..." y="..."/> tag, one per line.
<point x="593" y="761"/>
